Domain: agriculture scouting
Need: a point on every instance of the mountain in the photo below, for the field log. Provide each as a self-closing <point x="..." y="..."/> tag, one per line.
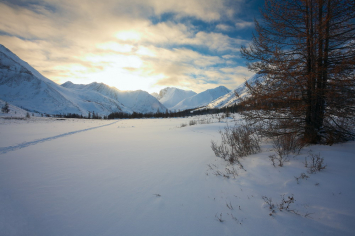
<point x="138" y="101"/>
<point x="23" y="86"/>
<point x="154" y="94"/>
<point x="201" y="99"/>
<point x="171" y="96"/>
<point x="230" y="99"/>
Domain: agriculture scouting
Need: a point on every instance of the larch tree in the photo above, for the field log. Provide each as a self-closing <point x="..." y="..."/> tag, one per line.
<point x="305" y="52"/>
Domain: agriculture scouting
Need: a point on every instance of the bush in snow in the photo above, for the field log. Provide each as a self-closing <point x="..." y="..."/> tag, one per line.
<point x="183" y="125"/>
<point x="192" y="122"/>
<point x="316" y="164"/>
<point x="283" y="145"/>
<point x="238" y="141"/>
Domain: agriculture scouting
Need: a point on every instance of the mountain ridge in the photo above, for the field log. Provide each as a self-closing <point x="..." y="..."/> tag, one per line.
<point x="23" y="86"/>
<point x="201" y="99"/>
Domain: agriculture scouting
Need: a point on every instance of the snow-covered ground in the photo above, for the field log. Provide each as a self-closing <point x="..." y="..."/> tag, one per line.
<point x="154" y="177"/>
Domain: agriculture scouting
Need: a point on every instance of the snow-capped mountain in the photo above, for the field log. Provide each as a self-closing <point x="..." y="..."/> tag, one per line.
<point x="138" y="101"/>
<point x="171" y="96"/>
<point x="230" y="98"/>
<point x="201" y="99"/>
<point x="154" y="94"/>
<point x="23" y="86"/>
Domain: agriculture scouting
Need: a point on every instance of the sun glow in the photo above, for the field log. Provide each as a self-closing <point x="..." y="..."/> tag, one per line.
<point x="117" y="47"/>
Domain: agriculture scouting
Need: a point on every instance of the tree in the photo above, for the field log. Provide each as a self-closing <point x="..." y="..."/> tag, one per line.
<point x="305" y="51"/>
<point x="5" y="108"/>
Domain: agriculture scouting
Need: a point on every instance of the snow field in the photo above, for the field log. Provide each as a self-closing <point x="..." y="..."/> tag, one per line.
<point x="150" y="177"/>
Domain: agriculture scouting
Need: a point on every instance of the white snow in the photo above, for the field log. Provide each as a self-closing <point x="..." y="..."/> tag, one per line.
<point x="132" y="101"/>
<point x="14" y="111"/>
<point x="23" y="86"/>
<point x="230" y="98"/>
<point x="171" y="96"/>
<point x="151" y="177"/>
<point x="201" y="99"/>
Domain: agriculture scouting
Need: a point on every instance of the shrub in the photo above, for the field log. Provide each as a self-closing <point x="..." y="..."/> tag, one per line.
<point x="316" y="164"/>
<point x="237" y="141"/>
<point x="183" y="125"/>
<point x="283" y="145"/>
<point x="192" y="122"/>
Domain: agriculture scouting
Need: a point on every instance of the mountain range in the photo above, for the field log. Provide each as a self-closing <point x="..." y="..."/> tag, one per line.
<point x="23" y="86"/>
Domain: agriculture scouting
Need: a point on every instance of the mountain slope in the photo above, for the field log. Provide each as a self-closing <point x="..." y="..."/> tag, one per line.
<point x="14" y="111"/>
<point x="230" y="99"/>
<point x="137" y="101"/>
<point x="201" y="99"/>
<point x="23" y="86"/>
<point x="171" y="96"/>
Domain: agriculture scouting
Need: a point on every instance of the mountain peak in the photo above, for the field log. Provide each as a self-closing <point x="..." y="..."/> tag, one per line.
<point x="202" y="98"/>
<point x="170" y="96"/>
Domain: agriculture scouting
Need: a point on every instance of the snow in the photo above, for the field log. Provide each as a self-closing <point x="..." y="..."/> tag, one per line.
<point x="171" y="96"/>
<point x="131" y="101"/>
<point x="152" y="177"/>
<point x="14" y="111"/>
<point x="230" y="99"/>
<point x="201" y="99"/>
<point x="23" y="86"/>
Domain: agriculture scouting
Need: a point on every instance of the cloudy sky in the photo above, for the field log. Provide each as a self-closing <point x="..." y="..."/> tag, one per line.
<point x="132" y="44"/>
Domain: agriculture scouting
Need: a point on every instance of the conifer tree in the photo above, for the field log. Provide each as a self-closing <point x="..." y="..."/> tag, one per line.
<point x="5" y="108"/>
<point x="305" y="51"/>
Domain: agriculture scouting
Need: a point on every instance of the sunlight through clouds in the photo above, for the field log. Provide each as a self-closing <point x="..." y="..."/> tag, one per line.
<point x="128" y="35"/>
<point x="129" y="44"/>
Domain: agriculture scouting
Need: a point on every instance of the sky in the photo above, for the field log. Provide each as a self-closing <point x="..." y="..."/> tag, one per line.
<point x="132" y="44"/>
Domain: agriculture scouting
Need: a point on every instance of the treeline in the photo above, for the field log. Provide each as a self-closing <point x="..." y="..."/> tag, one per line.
<point x="91" y="115"/>
<point x="167" y="114"/>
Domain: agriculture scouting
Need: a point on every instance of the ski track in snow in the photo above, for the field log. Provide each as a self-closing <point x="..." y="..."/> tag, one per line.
<point x="4" y="150"/>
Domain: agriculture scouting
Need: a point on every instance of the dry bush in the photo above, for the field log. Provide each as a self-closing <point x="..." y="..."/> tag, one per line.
<point x="302" y="176"/>
<point x="192" y="122"/>
<point x="284" y="145"/>
<point x="183" y="125"/>
<point x="316" y="164"/>
<point x="284" y="205"/>
<point x="237" y="141"/>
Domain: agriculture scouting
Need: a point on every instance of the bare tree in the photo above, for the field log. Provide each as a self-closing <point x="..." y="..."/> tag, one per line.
<point x="305" y="50"/>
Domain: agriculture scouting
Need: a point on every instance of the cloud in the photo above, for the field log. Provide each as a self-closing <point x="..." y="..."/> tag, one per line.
<point x="244" y="24"/>
<point x="224" y="27"/>
<point x="115" y="41"/>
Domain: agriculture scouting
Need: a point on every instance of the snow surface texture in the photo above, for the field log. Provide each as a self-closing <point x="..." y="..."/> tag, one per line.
<point x="151" y="177"/>
<point x="230" y="99"/>
<point x="171" y="96"/>
<point x="201" y="99"/>
<point x="23" y="86"/>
